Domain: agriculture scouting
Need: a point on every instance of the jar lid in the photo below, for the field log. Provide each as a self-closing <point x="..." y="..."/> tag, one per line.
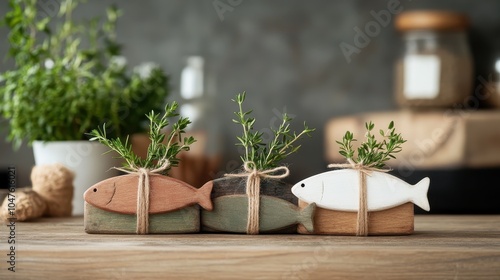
<point x="431" y="20"/>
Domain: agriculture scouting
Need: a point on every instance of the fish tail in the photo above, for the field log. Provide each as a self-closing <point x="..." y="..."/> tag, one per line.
<point x="419" y="196"/>
<point x="204" y="196"/>
<point x="306" y="217"/>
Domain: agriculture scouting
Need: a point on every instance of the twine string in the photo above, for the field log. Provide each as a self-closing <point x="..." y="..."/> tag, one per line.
<point x="143" y="190"/>
<point x="253" y="190"/>
<point x="363" y="171"/>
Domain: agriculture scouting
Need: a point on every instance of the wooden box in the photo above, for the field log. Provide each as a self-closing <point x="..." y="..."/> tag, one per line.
<point x="435" y="138"/>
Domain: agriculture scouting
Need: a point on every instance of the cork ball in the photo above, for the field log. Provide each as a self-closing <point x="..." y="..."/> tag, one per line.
<point x="27" y="205"/>
<point x="54" y="183"/>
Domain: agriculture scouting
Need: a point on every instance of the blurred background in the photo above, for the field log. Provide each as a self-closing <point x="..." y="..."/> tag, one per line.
<point x="289" y="56"/>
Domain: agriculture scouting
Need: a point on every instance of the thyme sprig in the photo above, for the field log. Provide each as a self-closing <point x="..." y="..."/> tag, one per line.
<point x="266" y="156"/>
<point x="372" y="153"/>
<point x="157" y="151"/>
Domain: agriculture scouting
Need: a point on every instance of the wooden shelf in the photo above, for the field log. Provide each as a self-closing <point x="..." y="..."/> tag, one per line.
<point x="435" y="138"/>
<point x="444" y="247"/>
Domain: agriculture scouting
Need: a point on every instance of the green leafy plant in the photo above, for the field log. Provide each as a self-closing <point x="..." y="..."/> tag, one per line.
<point x="372" y="153"/>
<point x="263" y="155"/>
<point x="159" y="150"/>
<point x="69" y="77"/>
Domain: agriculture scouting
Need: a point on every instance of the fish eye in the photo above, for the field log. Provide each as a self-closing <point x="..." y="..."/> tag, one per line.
<point x="95" y="189"/>
<point x="302" y="185"/>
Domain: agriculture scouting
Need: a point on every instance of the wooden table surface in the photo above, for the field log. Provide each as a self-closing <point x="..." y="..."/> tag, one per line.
<point x="443" y="247"/>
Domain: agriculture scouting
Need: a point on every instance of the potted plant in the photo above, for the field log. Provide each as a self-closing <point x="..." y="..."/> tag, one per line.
<point x="258" y="200"/>
<point x="68" y="78"/>
<point x="147" y="200"/>
<point x="362" y="198"/>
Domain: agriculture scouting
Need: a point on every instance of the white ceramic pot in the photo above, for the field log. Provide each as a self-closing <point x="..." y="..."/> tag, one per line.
<point x="86" y="159"/>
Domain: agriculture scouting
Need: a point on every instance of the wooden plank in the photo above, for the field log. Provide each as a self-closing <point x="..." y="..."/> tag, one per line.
<point x="230" y="214"/>
<point x="185" y="220"/>
<point x="395" y="221"/>
<point x="119" y="194"/>
<point x="234" y="185"/>
<point x="237" y="186"/>
<point x="442" y="247"/>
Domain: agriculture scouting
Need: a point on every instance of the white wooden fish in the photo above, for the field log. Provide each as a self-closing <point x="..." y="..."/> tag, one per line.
<point x="339" y="190"/>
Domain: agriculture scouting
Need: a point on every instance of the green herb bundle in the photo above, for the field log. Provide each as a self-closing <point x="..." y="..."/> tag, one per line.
<point x="158" y="152"/>
<point x="262" y="155"/>
<point x="372" y="153"/>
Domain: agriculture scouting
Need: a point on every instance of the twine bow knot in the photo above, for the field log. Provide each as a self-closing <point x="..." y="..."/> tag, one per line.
<point x="143" y="189"/>
<point x="364" y="170"/>
<point x="253" y="190"/>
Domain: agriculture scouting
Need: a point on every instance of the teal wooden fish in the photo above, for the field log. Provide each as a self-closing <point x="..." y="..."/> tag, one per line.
<point x="230" y="214"/>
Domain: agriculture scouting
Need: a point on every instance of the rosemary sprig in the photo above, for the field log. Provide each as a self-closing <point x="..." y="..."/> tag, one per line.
<point x="263" y="155"/>
<point x="372" y="153"/>
<point x="157" y="152"/>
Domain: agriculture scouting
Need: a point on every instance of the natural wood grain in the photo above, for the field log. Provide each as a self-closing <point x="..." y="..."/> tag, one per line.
<point x="394" y="221"/>
<point x="185" y="220"/>
<point x="234" y="185"/>
<point x="237" y="186"/>
<point x="119" y="194"/>
<point x="230" y="214"/>
<point x="442" y="247"/>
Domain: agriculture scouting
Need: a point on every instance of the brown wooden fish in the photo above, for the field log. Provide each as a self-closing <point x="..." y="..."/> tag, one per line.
<point x="119" y="194"/>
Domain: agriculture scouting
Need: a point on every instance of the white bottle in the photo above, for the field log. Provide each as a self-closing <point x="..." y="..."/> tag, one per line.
<point x="198" y="164"/>
<point x="192" y="88"/>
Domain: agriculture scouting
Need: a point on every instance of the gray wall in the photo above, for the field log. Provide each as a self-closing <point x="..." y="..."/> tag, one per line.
<point x="285" y="54"/>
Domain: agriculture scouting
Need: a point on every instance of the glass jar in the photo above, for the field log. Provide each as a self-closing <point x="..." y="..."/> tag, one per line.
<point x="435" y="68"/>
<point x="490" y="87"/>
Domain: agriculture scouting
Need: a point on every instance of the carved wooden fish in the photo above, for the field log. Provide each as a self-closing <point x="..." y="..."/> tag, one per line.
<point x="230" y="214"/>
<point x="119" y="194"/>
<point x="339" y="190"/>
